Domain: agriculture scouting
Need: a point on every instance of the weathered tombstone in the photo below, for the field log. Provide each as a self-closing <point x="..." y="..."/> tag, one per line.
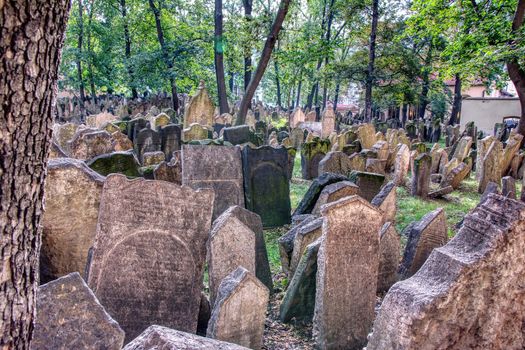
<point x="152" y="158"/>
<point x="266" y="185"/>
<point x="335" y="162"/>
<point x="160" y="121"/>
<point x="63" y="134"/>
<point x="348" y="262"/>
<point x="357" y="162"/>
<point x="462" y="148"/>
<point x="97" y="121"/>
<point x="237" y="135"/>
<point x="89" y="144"/>
<point x="458" y="174"/>
<point x="200" y="109"/>
<point x="311" y="196"/>
<point x="231" y="244"/>
<point x="401" y="165"/>
<point x="369" y="183"/>
<point x="508" y="187"/>
<point x="286" y="243"/>
<point x="170" y="172"/>
<point x="328" y="121"/>
<point x="385" y="201"/>
<point x="367" y="135"/>
<point x="422" y="237"/>
<point x="491" y="170"/>
<point x="311" y="155"/>
<point x="70" y="220"/>
<point x="121" y="142"/>
<point x="134" y="126"/>
<point x="482" y="148"/>
<point x="511" y="149"/>
<point x="239" y="312"/>
<point x="157" y="337"/>
<point x="311" y="116"/>
<point x="389" y="257"/>
<point x="148" y="258"/>
<point x="334" y="192"/>
<point x="304" y="235"/>
<point x="297" y="117"/>
<point x="195" y="132"/>
<point x="421" y="177"/>
<point x="116" y="163"/>
<point x="297" y="137"/>
<point x="216" y="167"/>
<point x="69" y="316"/>
<point x="170" y="140"/>
<point x="299" y="299"/>
<point x="466" y="292"/>
<point x="147" y="140"/>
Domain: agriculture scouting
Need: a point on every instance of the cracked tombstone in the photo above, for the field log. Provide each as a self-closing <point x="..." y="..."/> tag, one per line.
<point x="148" y="258"/>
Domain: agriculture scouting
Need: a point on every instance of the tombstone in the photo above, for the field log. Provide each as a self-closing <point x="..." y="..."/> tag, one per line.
<point x="311" y="196"/>
<point x="311" y="155"/>
<point x="152" y="158"/>
<point x="134" y="126"/>
<point x="421" y="176"/>
<point x="327" y="122"/>
<point x="89" y="144"/>
<point x="69" y="316"/>
<point x="297" y="137"/>
<point x="63" y="134"/>
<point x="458" y="174"/>
<point x="170" y="140"/>
<point x="154" y="234"/>
<point x="357" y="162"/>
<point x="462" y="149"/>
<point x="160" y="121"/>
<point x="286" y="243"/>
<point x="508" y="187"/>
<point x="334" y="192"/>
<point x="200" y="109"/>
<point x="147" y="140"/>
<point x="466" y="292"/>
<point x="116" y="163"/>
<point x="369" y="183"/>
<point x="239" y="313"/>
<point x="170" y="172"/>
<point x="367" y="135"/>
<point x="157" y="337"/>
<point x="231" y="244"/>
<point x="299" y="299"/>
<point x="266" y="185"/>
<point x="304" y="235"/>
<point x="336" y="163"/>
<point x="422" y="237"/>
<point x="311" y="116"/>
<point x="97" y="121"/>
<point x="491" y="170"/>
<point x="297" y="117"/>
<point x="511" y="149"/>
<point x="121" y="142"/>
<point x="237" y="135"/>
<point x="401" y="165"/>
<point x="389" y="257"/>
<point x="216" y="167"/>
<point x="482" y="148"/>
<point x="385" y="201"/>
<point x="72" y="195"/>
<point x="348" y="262"/>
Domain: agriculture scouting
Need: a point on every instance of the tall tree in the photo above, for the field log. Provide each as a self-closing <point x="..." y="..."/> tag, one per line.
<point x="219" y="59"/>
<point x="90" y="52"/>
<point x="30" y="52"/>
<point x="79" y="58"/>
<point x="371" y="60"/>
<point x="456" y="104"/>
<point x="165" y="54"/>
<point x="248" y="7"/>
<point x="127" y="48"/>
<point x="516" y="71"/>
<point x="263" y="61"/>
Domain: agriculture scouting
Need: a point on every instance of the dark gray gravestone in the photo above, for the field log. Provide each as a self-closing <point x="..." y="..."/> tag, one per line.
<point x="170" y="139"/>
<point x="116" y="163"/>
<point x="267" y="190"/>
<point x="307" y="204"/>
<point x="69" y="316"/>
<point x="146" y="140"/>
<point x="369" y="183"/>
<point x="216" y="167"/>
<point x="149" y="253"/>
<point x="299" y="300"/>
<point x="134" y="126"/>
<point x="237" y="135"/>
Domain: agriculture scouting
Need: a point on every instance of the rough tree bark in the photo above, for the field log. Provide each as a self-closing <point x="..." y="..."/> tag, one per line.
<point x="127" y="41"/>
<point x="30" y="43"/>
<point x="248" y="4"/>
<point x="79" y="58"/>
<point x="371" y="60"/>
<point x="277" y="81"/>
<point x="298" y="101"/>
<point x="263" y="61"/>
<point x="219" y="59"/>
<point x="90" y="53"/>
<point x="168" y="61"/>
<point x="328" y="37"/>
<point x="516" y="72"/>
<point x="456" y="104"/>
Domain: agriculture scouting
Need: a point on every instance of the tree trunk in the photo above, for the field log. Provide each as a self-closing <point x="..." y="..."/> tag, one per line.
<point x="456" y="105"/>
<point x="232" y="82"/>
<point x="263" y="62"/>
<point x="298" y="101"/>
<point x="165" y="54"/>
<point x="423" y="100"/>
<point x="79" y="59"/>
<point x="336" y="97"/>
<point x="219" y="59"/>
<point x="127" y="41"/>
<point x="30" y="47"/>
<point x="328" y="37"/>
<point x="516" y="73"/>
<point x="248" y="53"/>
<point x="277" y="82"/>
<point x="90" y="53"/>
<point x="371" y="60"/>
<point x="404" y="114"/>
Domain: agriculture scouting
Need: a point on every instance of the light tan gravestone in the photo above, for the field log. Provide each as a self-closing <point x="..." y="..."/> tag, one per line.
<point x="200" y="109"/>
<point x="389" y="257"/>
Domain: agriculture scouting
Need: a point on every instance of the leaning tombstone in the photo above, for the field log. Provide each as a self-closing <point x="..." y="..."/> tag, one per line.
<point x="491" y="166"/>
<point x="386" y="201"/>
<point x="334" y="192"/>
<point x="350" y="230"/>
<point x="421" y="176"/>
<point x="286" y="243"/>
<point x="369" y="183"/>
<point x="69" y="316"/>
<point x="72" y="194"/>
<point x="389" y="257"/>
<point x="266" y="185"/>
<point x="154" y="234"/>
<point x="116" y="163"/>
<point x="239" y="313"/>
<point x="467" y="292"/>
<point x="158" y="337"/>
<point x="311" y="196"/>
<point x="422" y="237"/>
<point x="304" y="235"/>
<point x="216" y="167"/>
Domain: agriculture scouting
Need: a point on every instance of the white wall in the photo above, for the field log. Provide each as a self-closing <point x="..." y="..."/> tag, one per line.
<point x="485" y="112"/>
